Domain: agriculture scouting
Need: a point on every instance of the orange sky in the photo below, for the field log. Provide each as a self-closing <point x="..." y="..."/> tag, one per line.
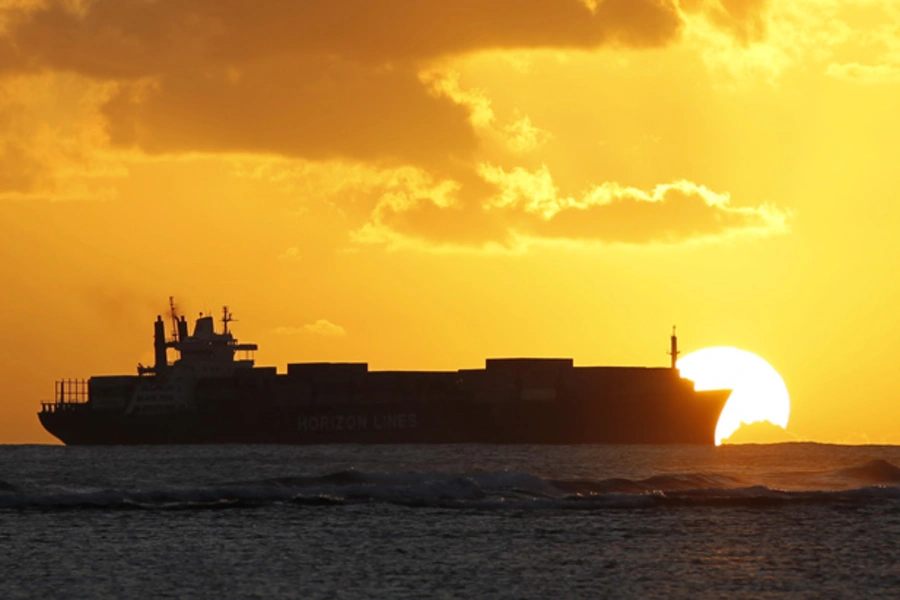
<point x="422" y="185"/>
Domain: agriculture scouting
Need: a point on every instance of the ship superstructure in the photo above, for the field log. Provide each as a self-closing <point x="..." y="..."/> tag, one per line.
<point x="213" y="393"/>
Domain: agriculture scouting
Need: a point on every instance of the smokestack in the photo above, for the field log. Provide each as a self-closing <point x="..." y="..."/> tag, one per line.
<point x="159" y="344"/>
<point x="182" y="329"/>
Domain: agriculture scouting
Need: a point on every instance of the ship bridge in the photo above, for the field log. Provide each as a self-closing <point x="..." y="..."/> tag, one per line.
<point x="205" y="350"/>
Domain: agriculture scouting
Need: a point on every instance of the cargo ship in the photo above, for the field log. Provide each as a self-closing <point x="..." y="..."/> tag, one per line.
<point x="214" y="394"/>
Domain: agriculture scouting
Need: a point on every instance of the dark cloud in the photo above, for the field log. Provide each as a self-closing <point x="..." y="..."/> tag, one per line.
<point x="115" y="38"/>
<point x="425" y="223"/>
<point x="302" y="78"/>
<point x="317" y="109"/>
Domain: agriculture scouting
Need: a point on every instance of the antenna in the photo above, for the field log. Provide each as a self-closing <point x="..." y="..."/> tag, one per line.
<point x="173" y="314"/>
<point x="673" y="348"/>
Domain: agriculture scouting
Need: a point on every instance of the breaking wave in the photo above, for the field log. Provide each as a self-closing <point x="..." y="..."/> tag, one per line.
<point x="872" y="482"/>
<point x="873" y="472"/>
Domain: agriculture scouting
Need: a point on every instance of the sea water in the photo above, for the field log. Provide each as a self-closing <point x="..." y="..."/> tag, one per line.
<point x="450" y="521"/>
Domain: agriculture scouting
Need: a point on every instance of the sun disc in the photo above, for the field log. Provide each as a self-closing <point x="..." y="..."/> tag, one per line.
<point x="758" y="391"/>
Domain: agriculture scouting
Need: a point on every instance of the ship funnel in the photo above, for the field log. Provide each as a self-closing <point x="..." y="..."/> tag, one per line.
<point x="159" y="344"/>
<point x="182" y="329"/>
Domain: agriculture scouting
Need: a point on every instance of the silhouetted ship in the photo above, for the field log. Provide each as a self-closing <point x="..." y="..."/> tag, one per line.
<point x="214" y="394"/>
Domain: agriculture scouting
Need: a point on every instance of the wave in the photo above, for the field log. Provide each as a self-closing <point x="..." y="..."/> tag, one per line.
<point x="873" y="472"/>
<point x="876" y="482"/>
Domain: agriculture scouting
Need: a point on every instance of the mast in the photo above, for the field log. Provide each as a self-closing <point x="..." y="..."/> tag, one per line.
<point x="673" y="348"/>
<point x="173" y="314"/>
<point x="226" y="319"/>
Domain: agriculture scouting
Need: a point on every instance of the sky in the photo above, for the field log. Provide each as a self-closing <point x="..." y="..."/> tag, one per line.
<point x="422" y="185"/>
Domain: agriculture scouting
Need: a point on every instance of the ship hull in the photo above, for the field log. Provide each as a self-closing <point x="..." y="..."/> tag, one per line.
<point x="208" y="398"/>
<point x="689" y="420"/>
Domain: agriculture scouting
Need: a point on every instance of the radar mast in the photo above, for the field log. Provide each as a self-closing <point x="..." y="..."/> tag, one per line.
<point x="227" y="318"/>
<point x="673" y="348"/>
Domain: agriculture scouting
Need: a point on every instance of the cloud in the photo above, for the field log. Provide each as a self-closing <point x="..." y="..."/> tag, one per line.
<point x="526" y="207"/>
<point x="865" y="74"/>
<point x="761" y="432"/>
<point x="365" y="83"/>
<point x="326" y="328"/>
<point x="291" y="254"/>
<point x="109" y="38"/>
<point x="329" y="108"/>
<point x="315" y="80"/>
<point x="745" y="40"/>
<point x="51" y="141"/>
<point x="519" y="136"/>
<point x="321" y="327"/>
<point x="523" y="136"/>
<point x="352" y="80"/>
<point x="744" y="20"/>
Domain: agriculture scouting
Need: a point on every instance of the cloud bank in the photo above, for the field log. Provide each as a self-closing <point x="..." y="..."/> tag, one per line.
<point x="526" y="208"/>
<point x="306" y="79"/>
<point x="358" y="82"/>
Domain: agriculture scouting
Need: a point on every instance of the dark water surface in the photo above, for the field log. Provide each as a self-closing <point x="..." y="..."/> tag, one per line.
<point x="455" y="521"/>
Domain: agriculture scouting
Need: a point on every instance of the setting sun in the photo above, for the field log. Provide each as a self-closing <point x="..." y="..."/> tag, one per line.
<point x="758" y="391"/>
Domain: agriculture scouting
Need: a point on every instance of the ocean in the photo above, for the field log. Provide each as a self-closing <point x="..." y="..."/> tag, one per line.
<point x="451" y="521"/>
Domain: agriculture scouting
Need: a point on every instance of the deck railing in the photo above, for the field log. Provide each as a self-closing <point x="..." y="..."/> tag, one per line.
<point x="67" y="394"/>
